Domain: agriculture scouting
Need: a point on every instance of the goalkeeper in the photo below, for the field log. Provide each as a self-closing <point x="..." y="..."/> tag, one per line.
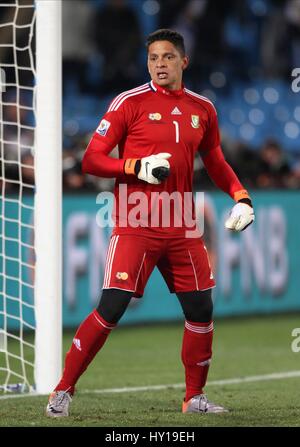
<point x="158" y="128"/>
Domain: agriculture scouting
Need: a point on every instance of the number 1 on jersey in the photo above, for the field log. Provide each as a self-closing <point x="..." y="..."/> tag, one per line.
<point x="176" y="131"/>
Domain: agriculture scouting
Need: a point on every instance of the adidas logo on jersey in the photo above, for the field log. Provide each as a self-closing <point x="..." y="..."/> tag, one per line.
<point x="176" y="111"/>
<point x="76" y="342"/>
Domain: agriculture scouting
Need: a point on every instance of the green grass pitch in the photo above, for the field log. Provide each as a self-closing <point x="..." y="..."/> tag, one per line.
<point x="150" y="355"/>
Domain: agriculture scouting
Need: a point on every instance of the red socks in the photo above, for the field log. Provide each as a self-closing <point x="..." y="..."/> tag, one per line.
<point x="196" y="354"/>
<point x="88" y="340"/>
<point x="94" y="330"/>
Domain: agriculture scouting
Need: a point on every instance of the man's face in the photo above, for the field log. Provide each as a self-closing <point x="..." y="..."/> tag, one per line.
<point x="166" y="64"/>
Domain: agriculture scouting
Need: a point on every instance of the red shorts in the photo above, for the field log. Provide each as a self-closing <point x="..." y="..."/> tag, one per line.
<point x="183" y="263"/>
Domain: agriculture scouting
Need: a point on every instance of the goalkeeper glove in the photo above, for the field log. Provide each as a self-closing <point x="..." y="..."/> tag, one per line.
<point x="241" y="215"/>
<point x="153" y="169"/>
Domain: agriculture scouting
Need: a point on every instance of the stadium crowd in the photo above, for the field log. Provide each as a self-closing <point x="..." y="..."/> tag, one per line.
<point x="217" y="35"/>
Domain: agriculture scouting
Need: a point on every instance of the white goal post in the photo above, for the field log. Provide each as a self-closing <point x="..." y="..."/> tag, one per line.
<point x="48" y="197"/>
<point x="30" y="286"/>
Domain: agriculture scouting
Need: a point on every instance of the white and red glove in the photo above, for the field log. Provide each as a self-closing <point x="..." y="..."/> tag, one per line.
<point x="153" y="169"/>
<point x="241" y="216"/>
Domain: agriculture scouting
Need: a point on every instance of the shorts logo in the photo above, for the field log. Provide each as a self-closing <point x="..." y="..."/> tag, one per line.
<point x="122" y="275"/>
<point x="195" y="121"/>
<point x="103" y="128"/>
<point x="155" y="116"/>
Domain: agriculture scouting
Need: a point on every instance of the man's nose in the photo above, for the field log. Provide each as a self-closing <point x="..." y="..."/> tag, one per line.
<point x="160" y="63"/>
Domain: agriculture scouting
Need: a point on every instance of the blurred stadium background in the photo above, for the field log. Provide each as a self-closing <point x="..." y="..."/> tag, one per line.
<point x="244" y="57"/>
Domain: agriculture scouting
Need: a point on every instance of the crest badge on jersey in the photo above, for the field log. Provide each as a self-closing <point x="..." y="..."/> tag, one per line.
<point x="122" y="275"/>
<point x="195" y="121"/>
<point x="155" y="116"/>
<point x="103" y="128"/>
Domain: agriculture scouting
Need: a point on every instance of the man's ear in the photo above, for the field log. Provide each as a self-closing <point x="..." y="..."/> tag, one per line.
<point x="185" y="62"/>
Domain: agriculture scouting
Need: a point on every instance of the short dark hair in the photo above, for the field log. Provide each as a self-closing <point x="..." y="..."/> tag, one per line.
<point x="167" y="34"/>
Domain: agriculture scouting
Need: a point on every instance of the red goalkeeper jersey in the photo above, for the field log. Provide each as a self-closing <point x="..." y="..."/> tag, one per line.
<point x="144" y="121"/>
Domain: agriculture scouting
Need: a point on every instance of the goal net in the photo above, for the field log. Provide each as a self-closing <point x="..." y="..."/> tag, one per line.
<point x="30" y="95"/>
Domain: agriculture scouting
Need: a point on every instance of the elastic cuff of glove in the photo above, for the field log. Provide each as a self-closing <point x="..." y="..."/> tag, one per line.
<point x="246" y="201"/>
<point x="129" y="166"/>
<point x="242" y="194"/>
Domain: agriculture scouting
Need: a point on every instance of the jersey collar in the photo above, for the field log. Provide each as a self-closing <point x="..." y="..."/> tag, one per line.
<point x="165" y="91"/>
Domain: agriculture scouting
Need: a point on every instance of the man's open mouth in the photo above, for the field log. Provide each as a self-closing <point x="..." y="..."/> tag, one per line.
<point x="162" y="75"/>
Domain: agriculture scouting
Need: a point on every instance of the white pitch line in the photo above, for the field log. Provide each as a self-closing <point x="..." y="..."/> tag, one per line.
<point x="236" y="380"/>
<point x="15" y="396"/>
<point x="233" y="381"/>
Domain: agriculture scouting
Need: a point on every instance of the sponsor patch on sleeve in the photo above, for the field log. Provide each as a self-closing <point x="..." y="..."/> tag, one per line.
<point x="103" y="128"/>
